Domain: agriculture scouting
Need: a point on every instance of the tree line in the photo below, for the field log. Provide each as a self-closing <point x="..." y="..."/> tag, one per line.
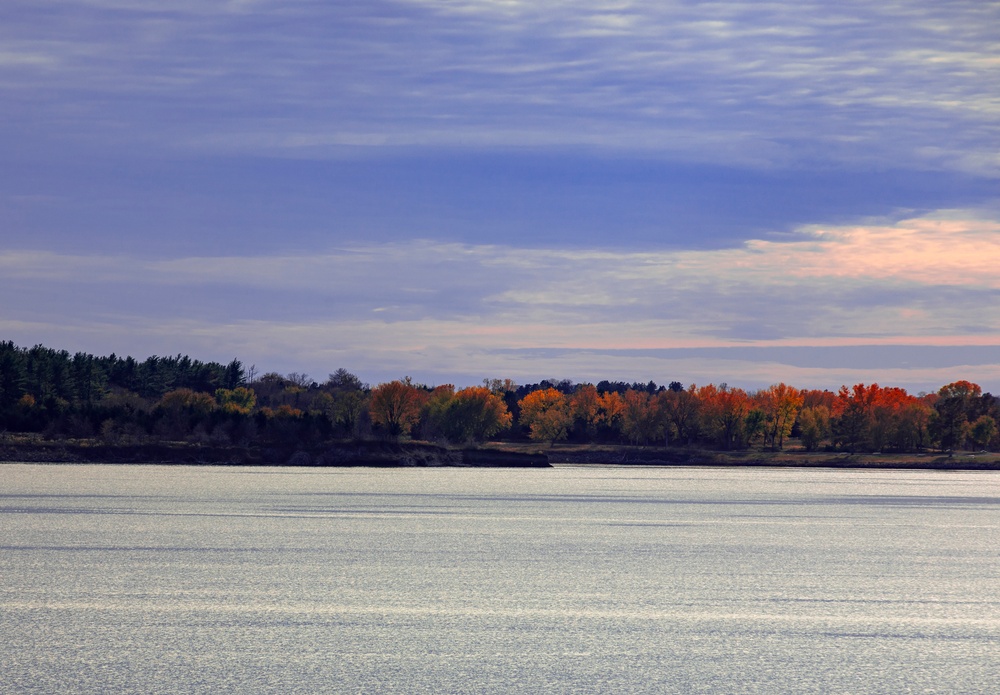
<point x="122" y="400"/>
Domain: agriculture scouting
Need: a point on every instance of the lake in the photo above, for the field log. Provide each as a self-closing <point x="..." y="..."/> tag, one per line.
<point x="582" y="579"/>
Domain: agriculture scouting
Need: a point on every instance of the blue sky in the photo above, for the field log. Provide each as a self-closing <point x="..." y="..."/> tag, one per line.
<point x="692" y="191"/>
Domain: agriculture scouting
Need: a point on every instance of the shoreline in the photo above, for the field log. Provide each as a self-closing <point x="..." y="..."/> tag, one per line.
<point x="375" y="454"/>
<point x="623" y="455"/>
<point x="411" y="454"/>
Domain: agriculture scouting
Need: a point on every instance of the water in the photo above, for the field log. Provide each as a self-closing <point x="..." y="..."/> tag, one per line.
<point x="577" y="579"/>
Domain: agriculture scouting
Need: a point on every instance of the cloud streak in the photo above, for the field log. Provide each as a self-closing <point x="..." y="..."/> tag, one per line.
<point x="906" y="283"/>
<point x="758" y="84"/>
<point x="948" y="248"/>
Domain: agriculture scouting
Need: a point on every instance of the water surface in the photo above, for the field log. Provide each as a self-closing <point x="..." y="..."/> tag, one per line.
<point x="575" y="579"/>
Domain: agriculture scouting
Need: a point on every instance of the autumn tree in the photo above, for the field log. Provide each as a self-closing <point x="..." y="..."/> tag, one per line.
<point x="889" y="409"/>
<point x="547" y="414"/>
<point x="187" y="401"/>
<point x="780" y="404"/>
<point x="724" y="411"/>
<point x="815" y="397"/>
<point x="470" y="415"/>
<point x="240" y="400"/>
<point x="814" y="426"/>
<point x="585" y="405"/>
<point x="284" y="424"/>
<point x="476" y="413"/>
<point x="434" y="413"/>
<point x="880" y="419"/>
<point x="395" y="407"/>
<point x="642" y="420"/>
<point x="26" y="403"/>
<point x="853" y="416"/>
<point x="610" y="408"/>
<point x="182" y="409"/>
<point x="680" y="407"/>
<point x="755" y="425"/>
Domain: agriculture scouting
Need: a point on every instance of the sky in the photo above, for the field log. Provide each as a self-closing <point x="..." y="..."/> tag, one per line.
<point x="738" y="192"/>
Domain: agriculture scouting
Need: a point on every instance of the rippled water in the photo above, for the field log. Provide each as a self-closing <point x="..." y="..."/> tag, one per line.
<point x="576" y="579"/>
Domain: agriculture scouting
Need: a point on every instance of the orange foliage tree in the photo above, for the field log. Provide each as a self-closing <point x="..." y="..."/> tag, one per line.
<point x="585" y="405"/>
<point x="610" y="407"/>
<point x="724" y="411"/>
<point x="886" y="416"/>
<point x="395" y="406"/>
<point x="878" y="419"/>
<point x="852" y="415"/>
<point x="547" y="414"/>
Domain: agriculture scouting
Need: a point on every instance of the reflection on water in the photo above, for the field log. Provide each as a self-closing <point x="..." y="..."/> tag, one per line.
<point x="576" y="579"/>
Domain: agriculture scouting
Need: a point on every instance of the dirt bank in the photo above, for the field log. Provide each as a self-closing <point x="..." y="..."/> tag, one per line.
<point x="372" y="453"/>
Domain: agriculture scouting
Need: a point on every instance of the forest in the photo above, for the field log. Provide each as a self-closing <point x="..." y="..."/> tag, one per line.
<point x="55" y="395"/>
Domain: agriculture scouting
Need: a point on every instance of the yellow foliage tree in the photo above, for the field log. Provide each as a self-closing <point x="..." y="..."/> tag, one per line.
<point x="547" y="414"/>
<point x="642" y="418"/>
<point x="780" y="404"/>
<point x="240" y="400"/>
<point x="814" y="425"/>
<point x="435" y="411"/>
<point x="476" y="413"/>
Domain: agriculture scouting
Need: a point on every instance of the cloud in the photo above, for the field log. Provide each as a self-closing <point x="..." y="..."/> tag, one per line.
<point x="190" y="129"/>
<point x="947" y="251"/>
<point x="949" y="247"/>
<point x="755" y="84"/>
<point x="491" y="308"/>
